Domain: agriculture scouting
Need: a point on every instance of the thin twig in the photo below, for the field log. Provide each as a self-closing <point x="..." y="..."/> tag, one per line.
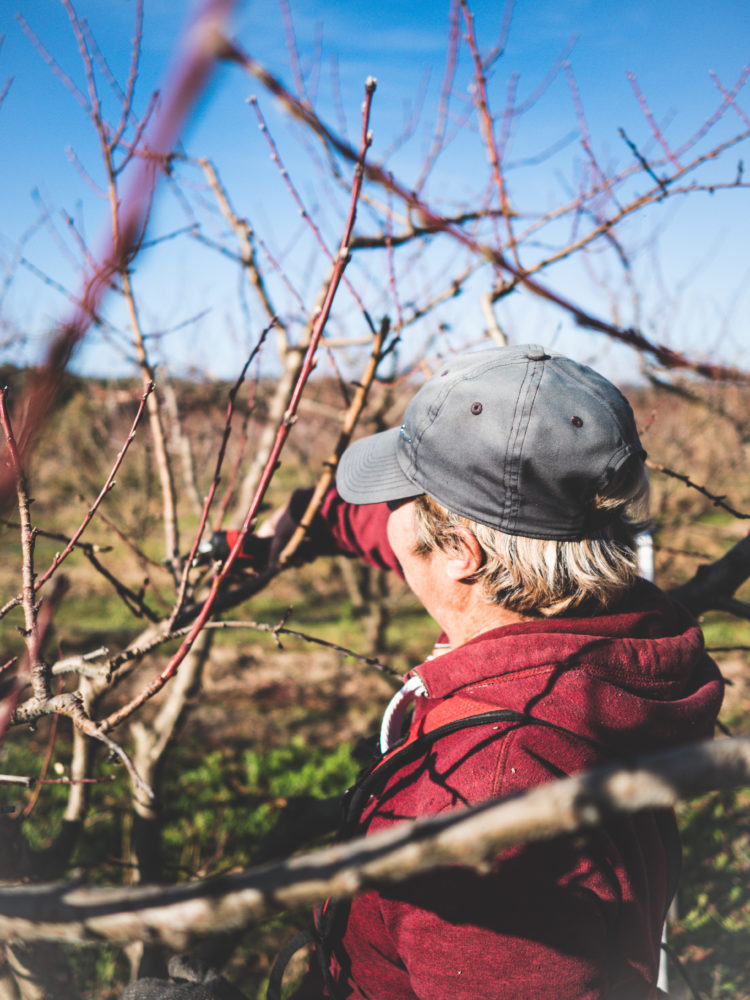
<point x="108" y="485"/>
<point x="717" y="501"/>
<point x="378" y="174"/>
<point x="281" y="629"/>
<point x="657" y="132"/>
<point x="349" y="423"/>
<point x="486" y="124"/>
<point x="342" y="258"/>
<point x="215" y="481"/>
<point x="728" y="101"/>
<point x="276" y="157"/>
<point x="438" y="138"/>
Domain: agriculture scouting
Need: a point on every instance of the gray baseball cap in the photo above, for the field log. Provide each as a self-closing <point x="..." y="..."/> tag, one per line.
<point x="516" y="438"/>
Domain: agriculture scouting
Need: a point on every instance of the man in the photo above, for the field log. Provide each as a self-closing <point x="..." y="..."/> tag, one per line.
<point x="504" y="499"/>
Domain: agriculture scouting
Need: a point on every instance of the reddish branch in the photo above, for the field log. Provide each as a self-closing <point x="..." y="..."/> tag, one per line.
<point x="442" y="113"/>
<point x="340" y="263"/>
<point x="108" y="485"/>
<point x="36" y="783"/>
<point x="729" y="101"/>
<point x="89" y="551"/>
<point x="487" y="127"/>
<point x="304" y="214"/>
<point x="657" y="132"/>
<point x="215" y="481"/>
<point x="392" y="273"/>
<point x="666" y="356"/>
<point x="600" y="178"/>
<point x="201" y="45"/>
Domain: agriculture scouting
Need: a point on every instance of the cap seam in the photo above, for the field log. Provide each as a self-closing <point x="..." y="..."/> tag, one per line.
<point x="517" y="438"/>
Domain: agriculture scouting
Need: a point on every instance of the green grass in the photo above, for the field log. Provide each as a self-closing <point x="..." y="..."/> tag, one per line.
<point x="221" y="798"/>
<point x="712" y="933"/>
<point x="222" y="804"/>
<point x="724" y="630"/>
<point x="218" y="806"/>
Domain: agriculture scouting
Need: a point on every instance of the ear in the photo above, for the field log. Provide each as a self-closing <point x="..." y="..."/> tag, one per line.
<point x="464" y="563"/>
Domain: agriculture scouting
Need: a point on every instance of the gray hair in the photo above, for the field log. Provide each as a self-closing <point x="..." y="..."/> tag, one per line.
<point x="547" y="577"/>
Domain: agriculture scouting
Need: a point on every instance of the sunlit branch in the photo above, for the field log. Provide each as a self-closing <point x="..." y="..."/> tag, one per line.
<point x="193" y="64"/>
<point x="331" y="463"/>
<point x="216" y="478"/>
<point x="180" y="916"/>
<point x="665" y="355"/>
<point x="282" y="433"/>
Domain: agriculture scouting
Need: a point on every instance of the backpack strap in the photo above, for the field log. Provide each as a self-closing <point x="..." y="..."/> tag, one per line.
<point x="445" y="719"/>
<point x="284" y="957"/>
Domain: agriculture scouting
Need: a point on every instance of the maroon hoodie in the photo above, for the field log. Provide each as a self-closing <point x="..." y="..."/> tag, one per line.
<point x="578" y="917"/>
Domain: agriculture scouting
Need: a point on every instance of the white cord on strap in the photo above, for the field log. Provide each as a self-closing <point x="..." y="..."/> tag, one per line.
<point x="393" y="718"/>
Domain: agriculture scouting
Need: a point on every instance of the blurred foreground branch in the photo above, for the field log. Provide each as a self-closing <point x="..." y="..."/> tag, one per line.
<point x="195" y="60"/>
<point x="179" y="916"/>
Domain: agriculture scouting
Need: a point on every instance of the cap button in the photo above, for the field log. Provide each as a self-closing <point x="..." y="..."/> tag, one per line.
<point x="538" y="355"/>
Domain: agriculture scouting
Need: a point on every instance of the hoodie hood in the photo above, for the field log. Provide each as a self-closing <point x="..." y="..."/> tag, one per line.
<point x="636" y="678"/>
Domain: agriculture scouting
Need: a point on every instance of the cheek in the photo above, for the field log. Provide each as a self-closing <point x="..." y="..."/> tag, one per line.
<point x="401" y="530"/>
<point x="389" y="533"/>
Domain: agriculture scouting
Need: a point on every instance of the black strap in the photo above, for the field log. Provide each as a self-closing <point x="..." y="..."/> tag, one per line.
<point x="284" y="957"/>
<point x="376" y="775"/>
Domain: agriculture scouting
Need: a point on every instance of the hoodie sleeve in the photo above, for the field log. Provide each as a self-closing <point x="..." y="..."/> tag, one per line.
<point x="342" y="528"/>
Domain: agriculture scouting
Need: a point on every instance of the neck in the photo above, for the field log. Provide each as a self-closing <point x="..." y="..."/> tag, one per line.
<point x="476" y="617"/>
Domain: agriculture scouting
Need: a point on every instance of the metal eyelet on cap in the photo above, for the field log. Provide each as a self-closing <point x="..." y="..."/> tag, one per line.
<point x="576" y="421"/>
<point x="476" y="408"/>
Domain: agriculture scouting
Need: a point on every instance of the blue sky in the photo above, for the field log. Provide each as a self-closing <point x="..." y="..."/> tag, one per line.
<point x="688" y="255"/>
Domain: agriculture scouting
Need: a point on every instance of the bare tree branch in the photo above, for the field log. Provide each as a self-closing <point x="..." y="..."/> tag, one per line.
<point x="282" y="433"/>
<point x="713" y="585"/>
<point x="180" y="916"/>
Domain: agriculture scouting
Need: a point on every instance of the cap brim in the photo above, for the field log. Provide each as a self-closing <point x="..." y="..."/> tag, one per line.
<point x="369" y="471"/>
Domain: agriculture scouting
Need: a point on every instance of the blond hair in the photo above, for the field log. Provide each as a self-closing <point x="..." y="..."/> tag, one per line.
<point x="547" y="577"/>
